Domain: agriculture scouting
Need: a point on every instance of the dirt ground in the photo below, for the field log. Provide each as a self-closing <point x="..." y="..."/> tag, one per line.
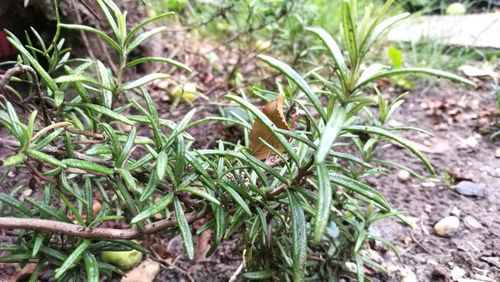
<point x="457" y="152"/>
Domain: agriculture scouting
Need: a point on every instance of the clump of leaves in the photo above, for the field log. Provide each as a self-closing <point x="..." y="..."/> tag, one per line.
<point x="317" y="209"/>
<point x="294" y="197"/>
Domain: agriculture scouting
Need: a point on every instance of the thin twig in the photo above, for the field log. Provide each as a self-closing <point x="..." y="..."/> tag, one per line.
<point x="419" y="243"/>
<point x="53" y="226"/>
<point x="239" y="269"/>
<point x="61" y="152"/>
<point x="83" y="34"/>
<point x="4" y="79"/>
<point x="48" y="128"/>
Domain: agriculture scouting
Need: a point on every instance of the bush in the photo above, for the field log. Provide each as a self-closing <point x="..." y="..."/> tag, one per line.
<point x="290" y="192"/>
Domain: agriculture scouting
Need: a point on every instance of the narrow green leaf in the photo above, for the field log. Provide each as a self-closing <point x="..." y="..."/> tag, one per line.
<point x="152" y="210"/>
<point x="362" y="189"/>
<point x="70" y="189"/>
<point x="330" y="133"/>
<point x="36" y="272"/>
<point x="239" y="200"/>
<point x="38" y="243"/>
<point x="44" y="76"/>
<point x="124" y="153"/>
<point x="334" y="49"/>
<point x="99" y="33"/>
<point x="50" y="210"/>
<point x="45" y="158"/>
<point x="143" y="36"/>
<point x="161" y="165"/>
<point x="75" y="78"/>
<point x="88" y="166"/>
<point x="14" y="160"/>
<point x="87" y="191"/>
<point x="160" y="60"/>
<point x="107" y="112"/>
<point x="110" y="132"/>
<point x="11" y="201"/>
<point x="380" y="29"/>
<point x="258" y="275"/>
<point x="299" y="238"/>
<point x="109" y="18"/>
<point x="324" y="202"/>
<point x="400" y="140"/>
<point x="136" y="29"/>
<point x="200" y="193"/>
<point x="413" y="71"/>
<point x="349" y="33"/>
<point x="143" y="80"/>
<point x="91" y="267"/>
<point x="295" y="77"/>
<point x="72" y="259"/>
<point x="128" y="179"/>
<point x="150" y="187"/>
<point x="187" y="237"/>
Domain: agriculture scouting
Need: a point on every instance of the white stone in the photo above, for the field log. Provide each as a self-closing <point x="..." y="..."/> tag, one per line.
<point x="447" y="226"/>
<point x="403" y="175"/>
<point x="472" y="222"/>
<point x="457" y="273"/>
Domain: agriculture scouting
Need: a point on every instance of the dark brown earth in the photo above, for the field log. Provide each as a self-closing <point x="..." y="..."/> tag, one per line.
<point x="423" y="252"/>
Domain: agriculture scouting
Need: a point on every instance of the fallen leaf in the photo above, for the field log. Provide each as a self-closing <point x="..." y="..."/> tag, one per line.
<point x="144" y="272"/>
<point x="274" y="111"/>
<point x="203" y="245"/>
<point x="203" y="241"/>
<point x="22" y="274"/>
<point x="475" y="72"/>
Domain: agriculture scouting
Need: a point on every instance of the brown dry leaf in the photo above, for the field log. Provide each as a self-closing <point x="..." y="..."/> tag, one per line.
<point x="274" y="111"/>
<point x="203" y="245"/>
<point x="144" y="272"/>
<point x="22" y="274"/>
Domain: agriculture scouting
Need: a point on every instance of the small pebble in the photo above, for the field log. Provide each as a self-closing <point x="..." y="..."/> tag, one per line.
<point x="456" y="212"/>
<point x="427" y="208"/>
<point x="469" y="188"/>
<point x="472" y="222"/>
<point x="351" y="266"/>
<point x="447" y="226"/>
<point x="407" y="275"/>
<point x="457" y="273"/>
<point x="403" y="175"/>
<point x="428" y="184"/>
<point x="497" y="152"/>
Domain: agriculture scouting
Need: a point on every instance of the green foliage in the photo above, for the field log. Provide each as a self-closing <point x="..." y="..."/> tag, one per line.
<point x="302" y="214"/>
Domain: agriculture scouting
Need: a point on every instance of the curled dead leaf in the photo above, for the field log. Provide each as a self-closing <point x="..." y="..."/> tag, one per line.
<point x="274" y="111"/>
<point x="144" y="272"/>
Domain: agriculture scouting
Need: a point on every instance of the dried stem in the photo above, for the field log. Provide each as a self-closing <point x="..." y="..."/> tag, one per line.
<point x="88" y="232"/>
<point x="4" y="79"/>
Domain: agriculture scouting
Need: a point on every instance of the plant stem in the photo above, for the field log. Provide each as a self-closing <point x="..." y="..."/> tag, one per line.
<point x="88" y="232"/>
